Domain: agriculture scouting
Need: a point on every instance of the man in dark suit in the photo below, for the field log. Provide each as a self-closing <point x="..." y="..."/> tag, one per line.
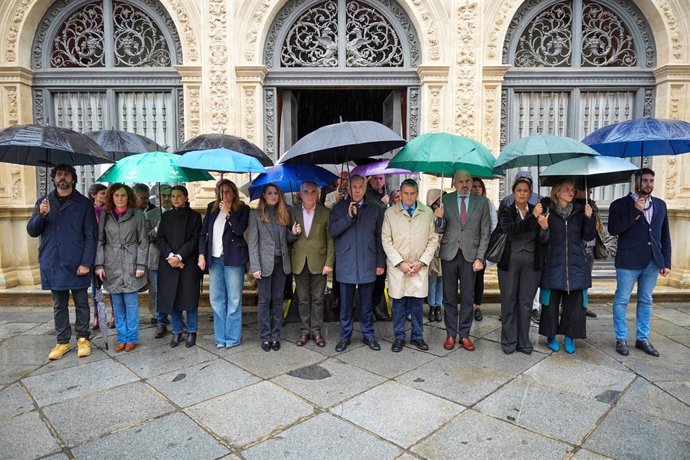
<point x="356" y="226"/>
<point x="644" y="252"/>
<point x="312" y="260"/>
<point x="465" y="222"/>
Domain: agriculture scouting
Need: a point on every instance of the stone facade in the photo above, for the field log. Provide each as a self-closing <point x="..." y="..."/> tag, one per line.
<point x="460" y="74"/>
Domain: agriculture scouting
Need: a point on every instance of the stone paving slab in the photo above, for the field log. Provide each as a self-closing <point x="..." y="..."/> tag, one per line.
<point x="63" y="384"/>
<point x="26" y="436"/>
<point x="160" y="360"/>
<point x="10" y="373"/>
<point x="14" y="401"/>
<point x="398" y="413"/>
<point x="8" y="330"/>
<point x="680" y="390"/>
<point x="329" y="382"/>
<point x="627" y="435"/>
<point x="251" y="413"/>
<point x="269" y="364"/>
<point x="335" y="439"/>
<point x="70" y="360"/>
<point x="644" y="398"/>
<point x="173" y="436"/>
<point x="80" y="419"/>
<point x="330" y="333"/>
<point x="194" y="384"/>
<point x="544" y="410"/>
<point x="677" y="317"/>
<point x="24" y="350"/>
<point x="385" y="362"/>
<point x="473" y="435"/>
<point x="584" y="454"/>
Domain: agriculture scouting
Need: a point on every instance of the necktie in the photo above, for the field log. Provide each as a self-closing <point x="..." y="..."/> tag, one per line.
<point x="463" y="211"/>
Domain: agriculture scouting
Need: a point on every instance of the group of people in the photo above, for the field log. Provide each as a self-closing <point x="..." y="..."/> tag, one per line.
<point x="434" y="250"/>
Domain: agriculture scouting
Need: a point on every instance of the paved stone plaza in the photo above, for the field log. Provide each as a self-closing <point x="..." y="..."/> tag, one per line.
<point x="158" y="402"/>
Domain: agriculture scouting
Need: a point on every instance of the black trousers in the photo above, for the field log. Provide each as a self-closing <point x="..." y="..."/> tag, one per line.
<point x="271" y="290"/>
<point x="518" y="285"/>
<point x="479" y="286"/>
<point x="61" y="314"/>
<point x="573" y="322"/>
<point x="454" y="270"/>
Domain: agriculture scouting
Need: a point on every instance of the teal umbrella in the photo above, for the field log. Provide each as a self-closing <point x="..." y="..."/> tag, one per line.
<point x="443" y="154"/>
<point x="221" y="160"/>
<point x="540" y="150"/>
<point x="152" y="167"/>
<point x="589" y="171"/>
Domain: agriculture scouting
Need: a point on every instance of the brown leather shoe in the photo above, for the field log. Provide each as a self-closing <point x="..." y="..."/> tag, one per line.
<point x="119" y="347"/>
<point x="160" y="332"/>
<point x="319" y="340"/>
<point x="130" y="347"/>
<point x="449" y="344"/>
<point x="303" y="338"/>
<point x="467" y="344"/>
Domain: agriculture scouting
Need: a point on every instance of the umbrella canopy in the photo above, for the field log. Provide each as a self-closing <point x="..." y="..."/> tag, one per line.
<point x="43" y="145"/>
<point x="540" y="150"/>
<point x="341" y="142"/>
<point x="589" y="171"/>
<point x="152" y="167"/>
<point x="221" y="160"/>
<point x="379" y="167"/>
<point x="643" y="137"/>
<point x="289" y="177"/>
<point x="120" y="144"/>
<point x="216" y="141"/>
<point x="443" y="154"/>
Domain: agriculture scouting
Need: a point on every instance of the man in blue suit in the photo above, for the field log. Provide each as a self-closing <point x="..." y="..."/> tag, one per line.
<point x="644" y="252"/>
<point x="355" y="225"/>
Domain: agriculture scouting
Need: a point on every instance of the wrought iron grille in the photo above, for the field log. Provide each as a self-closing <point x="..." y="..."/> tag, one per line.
<point x="79" y="43"/>
<point x="371" y="40"/>
<point x="138" y="41"/>
<point x="606" y="40"/>
<point x="547" y="40"/>
<point x="312" y="41"/>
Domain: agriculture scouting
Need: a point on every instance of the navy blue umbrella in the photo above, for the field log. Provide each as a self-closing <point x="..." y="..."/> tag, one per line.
<point x="289" y="177"/>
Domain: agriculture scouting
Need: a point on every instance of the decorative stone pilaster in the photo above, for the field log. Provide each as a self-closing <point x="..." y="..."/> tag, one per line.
<point x="217" y="63"/>
<point x="438" y="118"/>
<point x="250" y="80"/>
<point x="191" y="89"/>
<point x="467" y="22"/>
<point x="492" y="79"/>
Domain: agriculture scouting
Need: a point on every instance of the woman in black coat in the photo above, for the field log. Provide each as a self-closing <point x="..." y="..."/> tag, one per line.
<point x="565" y="273"/>
<point x="178" y="274"/>
<point x="519" y="269"/>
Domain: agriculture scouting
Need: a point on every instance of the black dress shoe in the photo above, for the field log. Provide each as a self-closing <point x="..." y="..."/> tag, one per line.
<point x="590" y="313"/>
<point x="175" y="340"/>
<point x="527" y="351"/>
<point x="647" y="347"/>
<point x="437" y="314"/>
<point x="431" y="314"/>
<point x="478" y="314"/>
<point x="622" y="347"/>
<point x="372" y="343"/>
<point x="420" y="344"/>
<point x="266" y="346"/>
<point x="275" y="345"/>
<point x="398" y="345"/>
<point x="191" y="339"/>
<point x="342" y="346"/>
<point x="160" y="332"/>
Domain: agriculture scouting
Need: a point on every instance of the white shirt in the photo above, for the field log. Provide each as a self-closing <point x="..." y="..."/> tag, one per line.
<point x="218" y="229"/>
<point x="308" y="217"/>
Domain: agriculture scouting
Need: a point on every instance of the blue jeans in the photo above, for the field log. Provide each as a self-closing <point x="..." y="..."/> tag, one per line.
<point x="161" y="318"/>
<point x="192" y="321"/>
<point x="400" y="308"/>
<point x="366" y="309"/>
<point x="225" y="292"/>
<point x="126" y="310"/>
<point x="435" y="295"/>
<point x="646" y="282"/>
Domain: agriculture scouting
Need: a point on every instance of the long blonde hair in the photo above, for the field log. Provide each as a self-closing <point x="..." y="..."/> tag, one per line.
<point x="282" y="213"/>
<point x="219" y="197"/>
<point x="557" y="188"/>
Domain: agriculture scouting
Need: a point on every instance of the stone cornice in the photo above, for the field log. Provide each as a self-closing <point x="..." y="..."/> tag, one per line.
<point x="672" y="73"/>
<point x="16" y="74"/>
<point x="580" y="78"/>
<point x="250" y="73"/>
<point x="494" y="73"/>
<point x="189" y="73"/>
<point x="433" y="73"/>
<point x="314" y="77"/>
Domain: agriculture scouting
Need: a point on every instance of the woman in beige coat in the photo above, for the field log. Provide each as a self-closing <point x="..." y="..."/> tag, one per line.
<point x="409" y="251"/>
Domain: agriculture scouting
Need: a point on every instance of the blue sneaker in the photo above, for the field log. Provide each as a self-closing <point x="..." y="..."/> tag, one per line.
<point x="552" y="343"/>
<point x="569" y="345"/>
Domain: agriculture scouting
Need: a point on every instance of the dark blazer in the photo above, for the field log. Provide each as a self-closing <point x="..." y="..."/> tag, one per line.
<point x="475" y="234"/>
<point x="565" y="263"/>
<point x="235" y="251"/>
<point x="358" y="249"/>
<point x="638" y="241"/>
<point x="68" y="240"/>
<point x="512" y="225"/>
<point x="262" y="246"/>
<point x="178" y="233"/>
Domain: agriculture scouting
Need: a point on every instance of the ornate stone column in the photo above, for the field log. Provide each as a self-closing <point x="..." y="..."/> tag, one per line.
<point x="18" y="252"/>
<point x="492" y="111"/>
<point x="436" y="108"/>
<point x="250" y="79"/>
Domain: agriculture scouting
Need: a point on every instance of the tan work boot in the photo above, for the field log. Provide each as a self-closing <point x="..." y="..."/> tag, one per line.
<point x="59" y="350"/>
<point x="83" y="347"/>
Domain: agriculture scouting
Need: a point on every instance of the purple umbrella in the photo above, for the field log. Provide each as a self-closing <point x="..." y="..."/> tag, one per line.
<point x="374" y="169"/>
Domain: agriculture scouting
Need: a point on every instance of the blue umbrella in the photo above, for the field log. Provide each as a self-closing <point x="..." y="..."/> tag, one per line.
<point x="290" y="176"/>
<point x="643" y="137"/>
<point x="220" y="160"/>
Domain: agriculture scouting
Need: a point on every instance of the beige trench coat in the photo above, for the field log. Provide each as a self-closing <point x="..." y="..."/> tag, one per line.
<point x="408" y="239"/>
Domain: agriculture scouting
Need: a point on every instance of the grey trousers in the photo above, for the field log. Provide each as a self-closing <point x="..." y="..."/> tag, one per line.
<point x="518" y="285"/>
<point x="454" y="270"/>
<point x="310" y="299"/>
<point x="271" y="290"/>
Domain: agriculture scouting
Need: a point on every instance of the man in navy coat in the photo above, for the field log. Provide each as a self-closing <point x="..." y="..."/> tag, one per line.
<point x="66" y="222"/>
<point x="644" y="252"/>
<point x="355" y="225"/>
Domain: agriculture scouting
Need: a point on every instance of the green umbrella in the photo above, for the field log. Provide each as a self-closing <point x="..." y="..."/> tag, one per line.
<point x="540" y="150"/>
<point x="152" y="167"/>
<point x="443" y="154"/>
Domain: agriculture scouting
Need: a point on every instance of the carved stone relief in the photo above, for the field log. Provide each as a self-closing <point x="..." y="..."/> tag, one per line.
<point x="13" y="30"/>
<point x="189" y="32"/>
<point x="507" y="7"/>
<point x="270" y="122"/>
<point x="218" y="68"/>
<point x="249" y="109"/>
<point x="413" y="96"/>
<point x="672" y="24"/>
<point x="435" y="108"/>
<point x="466" y="69"/>
<point x="194" y="115"/>
<point x="671" y="162"/>
<point x="17" y="187"/>
<point x="11" y="104"/>
<point x="430" y="30"/>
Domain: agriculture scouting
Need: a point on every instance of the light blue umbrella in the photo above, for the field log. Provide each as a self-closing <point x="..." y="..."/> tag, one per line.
<point x="540" y="150"/>
<point x="221" y="160"/>
<point x="589" y="171"/>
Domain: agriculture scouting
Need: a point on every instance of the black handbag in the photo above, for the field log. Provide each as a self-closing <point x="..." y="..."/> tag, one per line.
<point x="497" y="244"/>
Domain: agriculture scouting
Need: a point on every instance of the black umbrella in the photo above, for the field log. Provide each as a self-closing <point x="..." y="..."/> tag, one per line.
<point x="120" y="144"/>
<point x="43" y="145"/>
<point x="217" y="141"/>
<point x="344" y="141"/>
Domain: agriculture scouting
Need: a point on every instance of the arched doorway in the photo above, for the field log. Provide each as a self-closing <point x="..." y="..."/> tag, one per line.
<point x="339" y="59"/>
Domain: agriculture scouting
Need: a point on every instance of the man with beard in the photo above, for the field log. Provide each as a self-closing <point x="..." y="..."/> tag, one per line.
<point x="66" y="223"/>
<point x="644" y="252"/>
